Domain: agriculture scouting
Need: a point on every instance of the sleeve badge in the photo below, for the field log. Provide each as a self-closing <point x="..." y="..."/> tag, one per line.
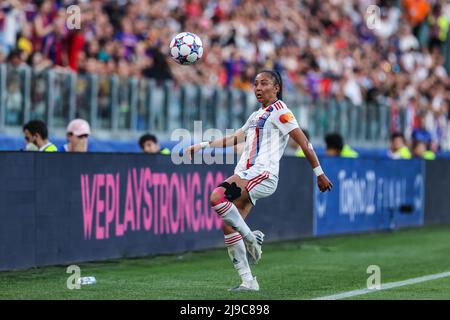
<point x="286" y="117"/>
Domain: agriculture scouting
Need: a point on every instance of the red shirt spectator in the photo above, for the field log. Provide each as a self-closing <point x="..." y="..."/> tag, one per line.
<point x="193" y="8"/>
<point x="75" y="44"/>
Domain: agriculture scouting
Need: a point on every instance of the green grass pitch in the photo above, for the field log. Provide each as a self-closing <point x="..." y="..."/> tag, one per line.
<point x="302" y="269"/>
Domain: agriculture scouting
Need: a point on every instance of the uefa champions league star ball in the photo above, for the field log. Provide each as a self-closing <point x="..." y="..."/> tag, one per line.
<point x="186" y="48"/>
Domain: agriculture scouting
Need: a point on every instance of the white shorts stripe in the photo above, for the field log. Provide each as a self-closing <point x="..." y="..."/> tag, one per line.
<point x="254" y="183"/>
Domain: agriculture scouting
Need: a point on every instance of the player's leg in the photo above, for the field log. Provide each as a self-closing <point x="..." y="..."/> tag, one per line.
<point x="230" y="200"/>
<point x="223" y="200"/>
<point x="238" y="253"/>
<point x="259" y="187"/>
<point x="235" y="190"/>
<point x="253" y="250"/>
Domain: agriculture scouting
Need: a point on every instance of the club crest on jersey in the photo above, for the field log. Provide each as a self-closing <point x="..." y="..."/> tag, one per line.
<point x="286" y="117"/>
<point x="262" y="119"/>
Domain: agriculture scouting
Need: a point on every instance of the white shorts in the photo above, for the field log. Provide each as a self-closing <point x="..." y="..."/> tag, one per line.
<point x="260" y="184"/>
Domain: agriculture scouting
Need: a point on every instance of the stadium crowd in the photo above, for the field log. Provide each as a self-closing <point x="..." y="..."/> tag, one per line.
<point x="322" y="48"/>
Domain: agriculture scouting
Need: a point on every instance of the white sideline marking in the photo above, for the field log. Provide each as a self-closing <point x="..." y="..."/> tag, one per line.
<point x="386" y="286"/>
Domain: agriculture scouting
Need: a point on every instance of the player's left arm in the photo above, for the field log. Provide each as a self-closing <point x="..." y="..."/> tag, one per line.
<point x="323" y="182"/>
<point x="287" y="124"/>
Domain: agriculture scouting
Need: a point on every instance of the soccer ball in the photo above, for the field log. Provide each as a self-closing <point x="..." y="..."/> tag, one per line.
<point x="186" y="48"/>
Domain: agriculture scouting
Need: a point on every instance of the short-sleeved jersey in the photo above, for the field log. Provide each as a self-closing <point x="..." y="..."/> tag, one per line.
<point x="266" y="132"/>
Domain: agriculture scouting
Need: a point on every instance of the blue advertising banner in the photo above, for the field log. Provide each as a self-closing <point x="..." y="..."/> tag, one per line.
<point x="369" y="195"/>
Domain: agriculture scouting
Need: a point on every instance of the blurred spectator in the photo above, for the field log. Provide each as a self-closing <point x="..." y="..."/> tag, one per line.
<point x="420" y="133"/>
<point x="159" y="69"/>
<point x="75" y="44"/>
<point x="44" y="26"/>
<point x="416" y="11"/>
<point x="439" y="24"/>
<point x="149" y="144"/>
<point x="335" y="147"/>
<point x="24" y="41"/>
<point x="419" y="150"/>
<point x="15" y="59"/>
<point x="36" y="132"/>
<point x="12" y="18"/>
<point x="78" y="132"/>
<point x="398" y="149"/>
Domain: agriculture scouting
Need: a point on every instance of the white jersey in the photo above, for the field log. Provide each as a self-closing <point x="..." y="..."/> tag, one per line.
<point x="266" y="132"/>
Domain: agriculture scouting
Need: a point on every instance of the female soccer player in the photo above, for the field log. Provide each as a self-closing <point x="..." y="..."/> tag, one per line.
<point x="266" y="134"/>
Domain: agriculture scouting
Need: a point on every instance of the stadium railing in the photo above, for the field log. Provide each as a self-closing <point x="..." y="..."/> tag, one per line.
<point x="122" y="108"/>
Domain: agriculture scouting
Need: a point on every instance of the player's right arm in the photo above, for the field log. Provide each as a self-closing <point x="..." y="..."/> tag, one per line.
<point x="227" y="141"/>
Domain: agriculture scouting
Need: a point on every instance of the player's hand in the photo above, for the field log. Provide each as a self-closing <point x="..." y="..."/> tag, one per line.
<point x="323" y="183"/>
<point x="189" y="151"/>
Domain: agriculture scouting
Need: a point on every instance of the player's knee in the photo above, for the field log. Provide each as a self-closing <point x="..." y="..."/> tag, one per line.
<point x="217" y="196"/>
<point x="225" y="192"/>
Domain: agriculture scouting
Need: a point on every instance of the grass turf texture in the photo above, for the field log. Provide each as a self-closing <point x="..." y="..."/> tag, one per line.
<point x="288" y="270"/>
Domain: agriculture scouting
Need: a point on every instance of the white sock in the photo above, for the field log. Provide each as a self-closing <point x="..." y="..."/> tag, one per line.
<point x="231" y="216"/>
<point x="238" y="255"/>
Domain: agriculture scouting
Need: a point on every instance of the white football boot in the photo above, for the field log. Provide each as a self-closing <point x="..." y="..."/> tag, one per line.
<point x="251" y="285"/>
<point x="254" y="251"/>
